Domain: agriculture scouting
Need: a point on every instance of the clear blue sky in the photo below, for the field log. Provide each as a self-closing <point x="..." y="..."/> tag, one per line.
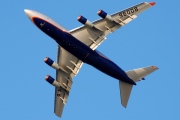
<point x="151" y="39"/>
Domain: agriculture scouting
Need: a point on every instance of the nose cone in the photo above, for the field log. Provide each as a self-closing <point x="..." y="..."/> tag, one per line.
<point x="28" y="13"/>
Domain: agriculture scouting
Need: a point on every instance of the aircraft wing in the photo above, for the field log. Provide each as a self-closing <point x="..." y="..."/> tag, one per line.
<point x="93" y="36"/>
<point x="70" y="66"/>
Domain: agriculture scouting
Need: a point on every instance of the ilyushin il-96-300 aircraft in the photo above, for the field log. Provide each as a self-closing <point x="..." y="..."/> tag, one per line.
<point x="78" y="46"/>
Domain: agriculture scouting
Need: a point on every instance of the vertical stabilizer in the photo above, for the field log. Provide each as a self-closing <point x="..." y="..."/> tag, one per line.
<point x="125" y="91"/>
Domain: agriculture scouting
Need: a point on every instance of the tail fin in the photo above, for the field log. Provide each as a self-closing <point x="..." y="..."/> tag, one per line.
<point x="125" y="91"/>
<point x="136" y="75"/>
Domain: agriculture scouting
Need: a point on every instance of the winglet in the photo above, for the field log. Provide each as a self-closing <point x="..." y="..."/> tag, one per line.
<point x="155" y="67"/>
<point x="152" y="3"/>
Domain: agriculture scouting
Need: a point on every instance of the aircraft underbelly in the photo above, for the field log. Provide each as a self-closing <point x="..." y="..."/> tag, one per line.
<point x="108" y="67"/>
<point x="82" y="52"/>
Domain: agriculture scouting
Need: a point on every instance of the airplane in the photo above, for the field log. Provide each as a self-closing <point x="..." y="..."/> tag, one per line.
<point x="78" y="46"/>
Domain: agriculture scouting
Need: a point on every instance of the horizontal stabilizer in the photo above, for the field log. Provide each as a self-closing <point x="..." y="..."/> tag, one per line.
<point x="138" y="74"/>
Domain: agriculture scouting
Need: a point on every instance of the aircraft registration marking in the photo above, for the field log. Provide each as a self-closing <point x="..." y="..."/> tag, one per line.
<point x="128" y="12"/>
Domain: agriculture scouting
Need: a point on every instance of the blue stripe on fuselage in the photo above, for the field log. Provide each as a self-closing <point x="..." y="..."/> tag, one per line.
<point x="82" y="51"/>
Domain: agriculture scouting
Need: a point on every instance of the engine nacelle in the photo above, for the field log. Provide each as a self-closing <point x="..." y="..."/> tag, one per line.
<point x="52" y="81"/>
<point x="51" y="63"/>
<point x="84" y="21"/>
<point x="104" y="15"/>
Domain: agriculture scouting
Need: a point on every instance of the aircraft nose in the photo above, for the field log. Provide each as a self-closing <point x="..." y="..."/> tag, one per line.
<point x="28" y="13"/>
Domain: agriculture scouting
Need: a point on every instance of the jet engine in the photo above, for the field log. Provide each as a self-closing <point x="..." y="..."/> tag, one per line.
<point x="84" y="21"/>
<point x="51" y="63"/>
<point x="52" y="81"/>
<point x="104" y="15"/>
